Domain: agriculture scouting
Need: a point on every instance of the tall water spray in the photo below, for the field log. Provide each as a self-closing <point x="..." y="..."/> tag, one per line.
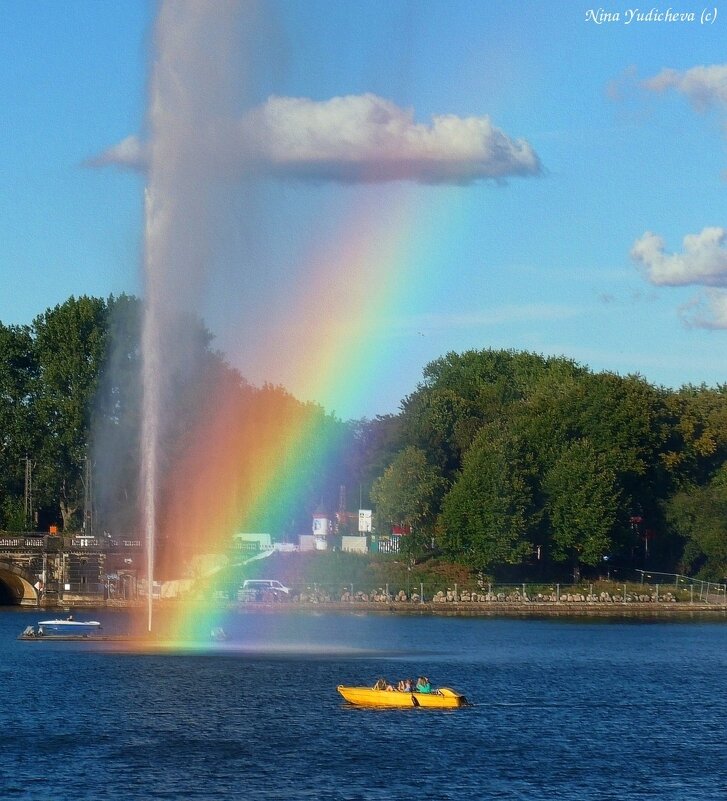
<point x="192" y="86"/>
<point x="151" y="344"/>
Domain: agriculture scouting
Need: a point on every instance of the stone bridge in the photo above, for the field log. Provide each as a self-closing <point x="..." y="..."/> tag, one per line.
<point x="23" y="558"/>
<point x="43" y="569"/>
<point x="16" y="585"/>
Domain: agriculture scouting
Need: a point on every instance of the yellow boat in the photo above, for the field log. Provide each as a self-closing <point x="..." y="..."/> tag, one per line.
<point x="443" y="698"/>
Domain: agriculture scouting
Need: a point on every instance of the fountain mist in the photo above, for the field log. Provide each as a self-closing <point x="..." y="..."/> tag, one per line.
<point x="191" y="104"/>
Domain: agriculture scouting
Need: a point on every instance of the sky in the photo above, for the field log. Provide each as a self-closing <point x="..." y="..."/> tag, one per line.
<point x="398" y="180"/>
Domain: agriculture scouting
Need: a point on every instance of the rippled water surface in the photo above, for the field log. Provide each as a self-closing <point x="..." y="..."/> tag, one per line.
<point x="561" y="710"/>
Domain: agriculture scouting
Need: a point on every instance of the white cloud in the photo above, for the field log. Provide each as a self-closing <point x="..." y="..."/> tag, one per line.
<point x="702" y="262"/>
<point x="367" y="138"/>
<point x="707" y="310"/>
<point x="357" y="138"/>
<point x="703" y="86"/>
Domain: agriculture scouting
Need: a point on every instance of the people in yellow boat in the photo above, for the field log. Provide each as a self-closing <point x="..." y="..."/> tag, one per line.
<point x="404" y="686"/>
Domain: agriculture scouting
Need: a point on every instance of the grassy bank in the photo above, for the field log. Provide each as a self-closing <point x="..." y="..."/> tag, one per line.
<point x="338" y="570"/>
<point x="334" y="574"/>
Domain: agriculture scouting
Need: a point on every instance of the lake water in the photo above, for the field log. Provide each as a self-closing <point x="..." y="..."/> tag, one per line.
<point x="562" y="709"/>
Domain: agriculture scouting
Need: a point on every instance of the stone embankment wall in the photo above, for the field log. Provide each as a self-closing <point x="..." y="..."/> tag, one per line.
<point x="512" y="602"/>
<point x="471" y="597"/>
<point x="563" y="597"/>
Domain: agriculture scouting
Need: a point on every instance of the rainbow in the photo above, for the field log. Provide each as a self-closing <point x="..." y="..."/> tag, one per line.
<point x="249" y="458"/>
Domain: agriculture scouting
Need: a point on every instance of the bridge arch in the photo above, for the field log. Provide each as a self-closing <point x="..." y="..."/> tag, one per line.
<point x="16" y="586"/>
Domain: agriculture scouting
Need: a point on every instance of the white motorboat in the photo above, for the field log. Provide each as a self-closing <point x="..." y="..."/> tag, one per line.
<point x="67" y="626"/>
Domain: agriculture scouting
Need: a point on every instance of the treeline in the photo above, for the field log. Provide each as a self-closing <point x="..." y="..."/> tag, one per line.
<point x="233" y="455"/>
<point x="511" y="460"/>
<point x="507" y="462"/>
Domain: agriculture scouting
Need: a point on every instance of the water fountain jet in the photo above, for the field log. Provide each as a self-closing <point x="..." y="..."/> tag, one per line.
<point x="190" y="95"/>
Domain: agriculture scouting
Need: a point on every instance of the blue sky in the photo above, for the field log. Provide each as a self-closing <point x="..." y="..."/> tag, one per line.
<point x="584" y="256"/>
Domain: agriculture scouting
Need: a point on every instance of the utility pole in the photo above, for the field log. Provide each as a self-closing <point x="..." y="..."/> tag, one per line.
<point x="28" y="493"/>
<point x="88" y="499"/>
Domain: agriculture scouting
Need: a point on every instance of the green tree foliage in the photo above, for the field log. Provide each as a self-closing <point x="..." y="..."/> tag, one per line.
<point x="13" y="514"/>
<point x="697" y="435"/>
<point x="372" y="446"/>
<point x="440" y="422"/>
<point x="17" y="425"/>
<point x="461" y="393"/>
<point x="699" y="515"/>
<point x="70" y="387"/>
<point x="581" y="503"/>
<point x="646" y="439"/>
<point x="114" y="434"/>
<point x="408" y="494"/>
<point x="626" y="423"/>
<point x="68" y="348"/>
<point x="489" y="515"/>
<point x="497" y="452"/>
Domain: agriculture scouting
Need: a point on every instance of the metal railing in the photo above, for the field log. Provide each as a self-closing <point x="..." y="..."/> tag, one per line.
<point x="705" y="589"/>
<point x="22" y="542"/>
<point x="692" y="591"/>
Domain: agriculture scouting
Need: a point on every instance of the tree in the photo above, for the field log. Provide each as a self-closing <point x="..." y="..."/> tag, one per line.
<point x="461" y="393"/>
<point x="581" y="503"/>
<point x="17" y="425"/>
<point x="697" y="442"/>
<point x="439" y="422"/>
<point x="114" y="435"/>
<point x="699" y="516"/>
<point x="627" y="423"/>
<point x="69" y="345"/>
<point x="407" y="494"/>
<point x="490" y="512"/>
<point x="373" y="444"/>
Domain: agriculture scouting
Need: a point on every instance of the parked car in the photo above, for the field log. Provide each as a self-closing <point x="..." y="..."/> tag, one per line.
<point x="260" y="589"/>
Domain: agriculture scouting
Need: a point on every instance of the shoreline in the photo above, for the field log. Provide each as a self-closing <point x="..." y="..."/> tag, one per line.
<point x="537" y="609"/>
